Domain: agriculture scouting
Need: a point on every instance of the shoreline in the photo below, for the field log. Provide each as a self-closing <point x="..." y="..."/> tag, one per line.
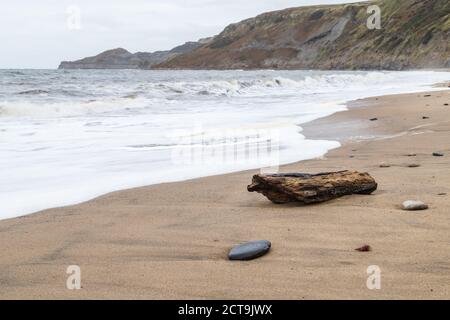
<point x="169" y="241"/>
<point x="309" y="132"/>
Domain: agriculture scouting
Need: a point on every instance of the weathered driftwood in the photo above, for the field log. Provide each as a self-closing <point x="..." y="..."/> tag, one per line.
<point x="312" y="188"/>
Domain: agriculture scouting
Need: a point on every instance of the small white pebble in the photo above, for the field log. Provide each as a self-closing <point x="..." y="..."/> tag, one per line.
<point x="413" y="205"/>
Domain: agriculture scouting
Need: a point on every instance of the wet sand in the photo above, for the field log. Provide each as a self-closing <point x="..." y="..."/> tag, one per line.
<point x="171" y="241"/>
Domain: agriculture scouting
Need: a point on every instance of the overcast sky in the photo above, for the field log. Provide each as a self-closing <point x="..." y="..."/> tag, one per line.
<point x="39" y="34"/>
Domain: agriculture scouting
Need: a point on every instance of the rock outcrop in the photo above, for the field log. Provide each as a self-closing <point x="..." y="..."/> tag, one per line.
<point x="413" y="34"/>
<point x="122" y="59"/>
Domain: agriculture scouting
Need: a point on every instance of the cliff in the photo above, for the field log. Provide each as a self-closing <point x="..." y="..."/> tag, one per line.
<point x="122" y="59"/>
<point x="414" y="34"/>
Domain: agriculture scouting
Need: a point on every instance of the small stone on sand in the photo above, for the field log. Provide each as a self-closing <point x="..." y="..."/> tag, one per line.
<point x="413" y="165"/>
<point x="385" y="165"/>
<point x="374" y="119"/>
<point x="438" y="154"/>
<point x="425" y="118"/>
<point x="414" y="205"/>
<point x="250" y="250"/>
<point x="365" y="248"/>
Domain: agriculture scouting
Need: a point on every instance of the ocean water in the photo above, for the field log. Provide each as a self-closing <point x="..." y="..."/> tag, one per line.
<point x="69" y="136"/>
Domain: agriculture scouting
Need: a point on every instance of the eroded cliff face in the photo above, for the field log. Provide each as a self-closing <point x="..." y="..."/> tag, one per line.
<point x="414" y="34"/>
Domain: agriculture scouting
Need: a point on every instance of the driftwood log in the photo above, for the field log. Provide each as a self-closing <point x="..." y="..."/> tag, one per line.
<point x="312" y="188"/>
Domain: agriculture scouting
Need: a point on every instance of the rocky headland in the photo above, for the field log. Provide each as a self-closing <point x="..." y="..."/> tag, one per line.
<point x="123" y="59"/>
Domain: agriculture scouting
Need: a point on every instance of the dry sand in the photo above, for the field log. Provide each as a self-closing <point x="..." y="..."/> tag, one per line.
<point x="171" y="241"/>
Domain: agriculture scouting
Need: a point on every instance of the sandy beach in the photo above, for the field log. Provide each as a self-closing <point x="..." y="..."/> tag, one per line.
<point x="171" y="241"/>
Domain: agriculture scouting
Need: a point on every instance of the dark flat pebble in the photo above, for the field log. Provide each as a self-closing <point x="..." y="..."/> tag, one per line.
<point x="250" y="250"/>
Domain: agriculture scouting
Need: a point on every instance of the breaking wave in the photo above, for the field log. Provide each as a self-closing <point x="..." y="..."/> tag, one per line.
<point x="70" y="109"/>
<point x="80" y="97"/>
